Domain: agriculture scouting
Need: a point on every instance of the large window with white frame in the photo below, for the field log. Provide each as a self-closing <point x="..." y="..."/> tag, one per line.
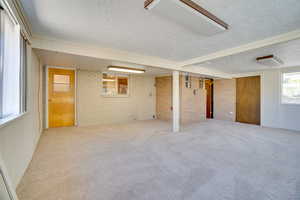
<point x="12" y="69"/>
<point x="290" y="88"/>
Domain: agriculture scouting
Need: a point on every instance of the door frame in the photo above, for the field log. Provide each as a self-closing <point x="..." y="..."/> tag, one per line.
<point x="212" y="98"/>
<point x="47" y="90"/>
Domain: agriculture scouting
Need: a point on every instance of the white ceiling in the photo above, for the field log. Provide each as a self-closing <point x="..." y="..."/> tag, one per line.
<point x="288" y="52"/>
<point x="126" y="25"/>
<point x="87" y="63"/>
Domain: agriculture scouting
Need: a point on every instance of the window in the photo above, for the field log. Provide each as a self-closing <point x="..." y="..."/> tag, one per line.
<point x="291" y="88"/>
<point x="12" y="69"/>
<point x="61" y="83"/>
<point x="114" y="85"/>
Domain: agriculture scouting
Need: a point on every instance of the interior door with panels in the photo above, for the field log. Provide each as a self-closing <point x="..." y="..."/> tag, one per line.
<point x="61" y="97"/>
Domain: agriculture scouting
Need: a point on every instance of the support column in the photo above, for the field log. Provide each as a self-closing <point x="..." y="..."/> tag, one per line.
<point x="176" y="102"/>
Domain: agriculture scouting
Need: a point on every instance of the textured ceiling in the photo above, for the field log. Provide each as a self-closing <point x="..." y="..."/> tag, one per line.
<point x="288" y="52"/>
<point x="126" y="25"/>
<point x="86" y="63"/>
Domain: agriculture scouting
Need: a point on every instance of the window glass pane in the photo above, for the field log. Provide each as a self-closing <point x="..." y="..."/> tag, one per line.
<point x="108" y="84"/>
<point x="23" y="77"/>
<point x="122" y="85"/>
<point x="291" y="88"/>
<point x="11" y="67"/>
<point x="61" y="83"/>
<point x="63" y="79"/>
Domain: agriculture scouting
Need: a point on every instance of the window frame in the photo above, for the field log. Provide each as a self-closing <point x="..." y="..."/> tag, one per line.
<point x="117" y="75"/>
<point x="22" y="73"/>
<point x="281" y="87"/>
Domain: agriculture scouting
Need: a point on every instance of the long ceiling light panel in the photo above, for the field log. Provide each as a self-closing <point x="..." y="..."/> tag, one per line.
<point x="188" y="14"/>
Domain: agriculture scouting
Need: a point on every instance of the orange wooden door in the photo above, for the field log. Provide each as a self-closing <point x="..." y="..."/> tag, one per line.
<point x="209" y="98"/>
<point x="61" y="97"/>
<point x="248" y="100"/>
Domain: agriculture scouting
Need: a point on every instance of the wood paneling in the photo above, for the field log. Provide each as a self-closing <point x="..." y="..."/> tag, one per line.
<point x="61" y="99"/>
<point x="163" y="97"/>
<point x="248" y="100"/>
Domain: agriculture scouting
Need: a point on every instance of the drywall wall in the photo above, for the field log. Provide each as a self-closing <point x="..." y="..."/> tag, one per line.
<point x="224" y="99"/>
<point x="8" y="183"/>
<point x="192" y="101"/>
<point x="93" y="108"/>
<point x="273" y="113"/>
<point x="19" y="138"/>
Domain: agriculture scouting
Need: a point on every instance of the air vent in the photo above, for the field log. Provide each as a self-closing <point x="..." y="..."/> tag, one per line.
<point x="188" y="14"/>
<point x="270" y="60"/>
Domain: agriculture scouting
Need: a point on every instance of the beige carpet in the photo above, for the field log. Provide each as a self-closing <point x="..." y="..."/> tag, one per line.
<point x="214" y="160"/>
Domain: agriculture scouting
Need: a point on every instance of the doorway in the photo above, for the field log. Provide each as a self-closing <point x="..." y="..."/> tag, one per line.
<point x="248" y="100"/>
<point x="209" y="98"/>
<point x="61" y="97"/>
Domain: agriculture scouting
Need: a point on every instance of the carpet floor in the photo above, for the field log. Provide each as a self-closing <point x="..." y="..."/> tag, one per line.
<point x="212" y="160"/>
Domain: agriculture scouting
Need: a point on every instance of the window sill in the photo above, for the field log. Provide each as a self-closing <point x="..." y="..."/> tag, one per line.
<point x="6" y="121"/>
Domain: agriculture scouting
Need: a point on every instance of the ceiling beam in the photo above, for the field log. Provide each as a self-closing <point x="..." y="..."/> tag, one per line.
<point x="51" y="44"/>
<point x="246" y="47"/>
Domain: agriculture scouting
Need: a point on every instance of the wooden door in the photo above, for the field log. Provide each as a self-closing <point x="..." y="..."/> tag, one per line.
<point x="248" y="100"/>
<point x="163" y="97"/>
<point x="209" y="98"/>
<point x="61" y="97"/>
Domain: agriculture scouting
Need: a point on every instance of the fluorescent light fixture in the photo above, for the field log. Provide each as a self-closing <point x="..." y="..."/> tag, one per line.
<point x="189" y="14"/>
<point x="270" y="60"/>
<point x="126" y="69"/>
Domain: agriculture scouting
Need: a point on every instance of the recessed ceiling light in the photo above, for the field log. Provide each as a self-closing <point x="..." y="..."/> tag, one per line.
<point x="126" y="69"/>
<point x="269" y="60"/>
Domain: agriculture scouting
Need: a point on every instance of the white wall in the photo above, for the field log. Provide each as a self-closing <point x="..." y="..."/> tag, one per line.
<point x="275" y="114"/>
<point x="93" y="108"/>
<point x="19" y="138"/>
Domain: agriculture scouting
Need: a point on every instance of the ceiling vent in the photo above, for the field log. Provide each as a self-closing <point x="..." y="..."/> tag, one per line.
<point x="188" y="14"/>
<point x="270" y="60"/>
